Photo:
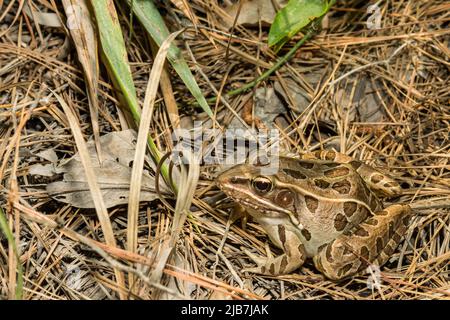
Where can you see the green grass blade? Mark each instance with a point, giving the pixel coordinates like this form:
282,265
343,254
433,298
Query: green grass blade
151,20
116,59
10,237
115,53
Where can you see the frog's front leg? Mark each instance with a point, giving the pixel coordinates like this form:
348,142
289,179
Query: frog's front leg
293,257
371,242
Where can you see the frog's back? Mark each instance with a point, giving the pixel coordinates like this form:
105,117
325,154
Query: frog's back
326,180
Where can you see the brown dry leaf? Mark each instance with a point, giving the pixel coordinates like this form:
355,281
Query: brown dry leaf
79,23
253,11
297,97
113,176
266,107
184,288
361,96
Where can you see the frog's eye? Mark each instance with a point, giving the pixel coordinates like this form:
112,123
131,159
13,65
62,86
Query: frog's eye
262,184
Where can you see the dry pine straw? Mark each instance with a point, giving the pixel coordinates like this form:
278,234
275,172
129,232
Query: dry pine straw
406,132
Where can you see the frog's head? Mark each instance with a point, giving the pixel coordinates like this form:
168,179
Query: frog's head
264,196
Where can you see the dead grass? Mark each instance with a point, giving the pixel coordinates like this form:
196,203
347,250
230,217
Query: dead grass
377,95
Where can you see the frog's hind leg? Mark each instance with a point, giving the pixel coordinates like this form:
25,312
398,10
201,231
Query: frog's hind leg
293,257
371,242
377,181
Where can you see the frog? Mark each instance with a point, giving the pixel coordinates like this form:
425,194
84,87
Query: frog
323,205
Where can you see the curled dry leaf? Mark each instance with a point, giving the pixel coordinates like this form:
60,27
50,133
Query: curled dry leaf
113,175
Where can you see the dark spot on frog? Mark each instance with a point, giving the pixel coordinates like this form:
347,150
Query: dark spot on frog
350,208
343,187
328,254
389,249
379,245
361,232
306,164
282,233
322,184
283,264
376,178
364,254
340,222
237,180
311,203
337,172
272,269
363,212
391,184
371,221
294,174
391,229
373,201
405,220
306,234
356,164
345,269
382,213
301,249
347,251
396,237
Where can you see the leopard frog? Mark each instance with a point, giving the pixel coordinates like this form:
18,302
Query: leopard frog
325,206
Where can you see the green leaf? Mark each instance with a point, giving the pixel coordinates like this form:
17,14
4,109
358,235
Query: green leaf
9,235
114,52
293,17
151,20
115,57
